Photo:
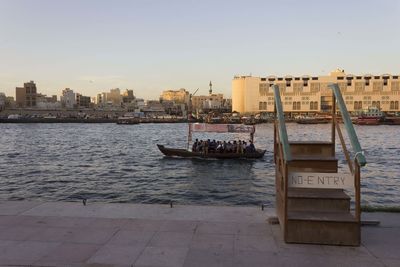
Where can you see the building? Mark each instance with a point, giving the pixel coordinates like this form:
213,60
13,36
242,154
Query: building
153,108
26,96
180,96
114,96
47,102
3,101
82,101
312,94
101,99
128,96
68,99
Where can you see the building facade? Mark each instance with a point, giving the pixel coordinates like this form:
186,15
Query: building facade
82,101
114,96
312,94
68,99
3,100
180,96
128,96
26,96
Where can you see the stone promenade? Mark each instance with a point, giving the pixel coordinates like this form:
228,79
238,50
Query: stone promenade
71,234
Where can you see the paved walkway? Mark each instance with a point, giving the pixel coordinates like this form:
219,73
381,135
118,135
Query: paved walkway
71,234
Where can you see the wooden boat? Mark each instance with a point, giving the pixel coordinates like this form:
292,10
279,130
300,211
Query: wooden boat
367,121
177,152
216,128
314,120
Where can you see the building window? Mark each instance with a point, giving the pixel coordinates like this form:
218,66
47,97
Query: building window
395,86
262,105
357,105
297,87
313,105
359,86
314,87
377,86
394,105
296,105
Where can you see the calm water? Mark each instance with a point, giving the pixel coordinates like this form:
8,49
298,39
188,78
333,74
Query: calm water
121,163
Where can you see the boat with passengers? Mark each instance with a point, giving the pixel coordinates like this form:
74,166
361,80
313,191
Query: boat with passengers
252,153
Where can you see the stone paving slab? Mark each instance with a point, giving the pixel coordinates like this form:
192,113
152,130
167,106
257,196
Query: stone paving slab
100,235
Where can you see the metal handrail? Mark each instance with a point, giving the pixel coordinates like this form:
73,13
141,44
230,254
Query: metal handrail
281,124
355,144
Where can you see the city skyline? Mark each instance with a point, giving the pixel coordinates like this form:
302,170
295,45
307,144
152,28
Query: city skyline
152,46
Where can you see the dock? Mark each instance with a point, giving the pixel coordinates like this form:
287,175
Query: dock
99,234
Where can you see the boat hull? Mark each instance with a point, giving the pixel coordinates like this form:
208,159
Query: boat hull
176,152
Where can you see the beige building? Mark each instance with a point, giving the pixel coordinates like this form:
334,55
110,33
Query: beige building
180,96
26,96
114,96
311,93
212,101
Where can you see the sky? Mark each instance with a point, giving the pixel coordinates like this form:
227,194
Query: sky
149,46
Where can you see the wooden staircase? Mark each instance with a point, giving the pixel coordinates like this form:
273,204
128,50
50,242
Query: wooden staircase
313,215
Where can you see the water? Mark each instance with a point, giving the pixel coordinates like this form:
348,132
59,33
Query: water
121,163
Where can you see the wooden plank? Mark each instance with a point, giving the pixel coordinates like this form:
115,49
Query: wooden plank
320,180
317,193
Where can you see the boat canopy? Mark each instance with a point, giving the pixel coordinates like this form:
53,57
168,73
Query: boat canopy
222,128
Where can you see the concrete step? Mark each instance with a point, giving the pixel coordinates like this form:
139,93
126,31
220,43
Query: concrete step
329,228
315,199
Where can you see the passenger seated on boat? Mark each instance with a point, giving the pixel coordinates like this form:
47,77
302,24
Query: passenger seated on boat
224,146
250,148
229,147
205,146
194,147
220,147
199,146
240,147
212,146
234,147
244,144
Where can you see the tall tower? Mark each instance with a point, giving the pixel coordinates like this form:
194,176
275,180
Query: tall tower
210,91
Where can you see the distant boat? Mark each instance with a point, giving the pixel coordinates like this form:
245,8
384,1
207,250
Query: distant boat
128,120
371,116
313,120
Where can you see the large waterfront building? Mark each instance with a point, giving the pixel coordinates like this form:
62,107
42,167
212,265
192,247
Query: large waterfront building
311,93
26,96
68,99
180,96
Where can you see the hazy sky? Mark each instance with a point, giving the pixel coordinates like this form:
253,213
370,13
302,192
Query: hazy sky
150,46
